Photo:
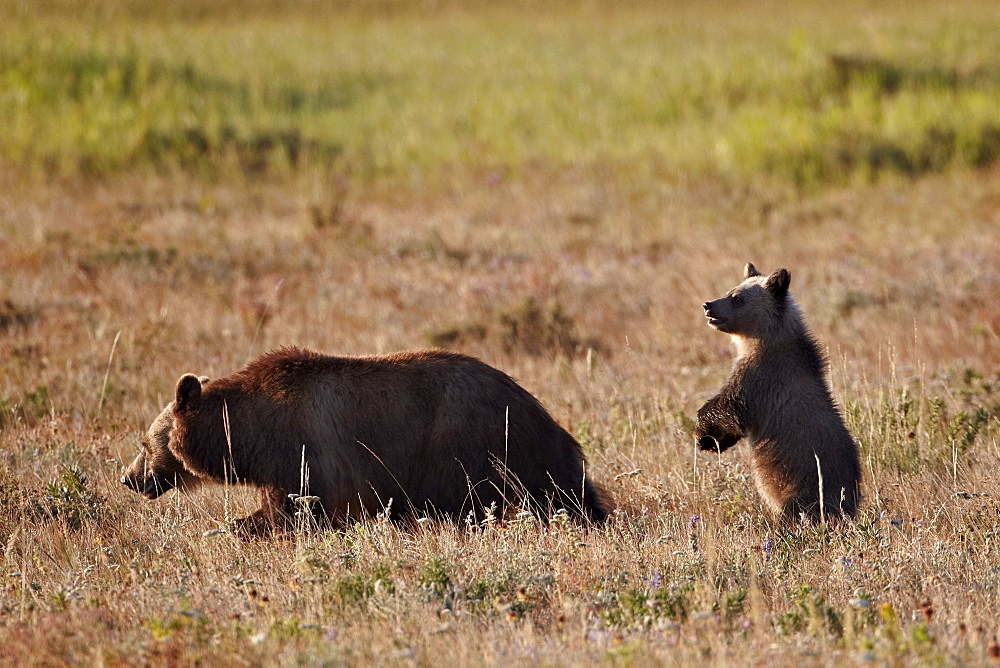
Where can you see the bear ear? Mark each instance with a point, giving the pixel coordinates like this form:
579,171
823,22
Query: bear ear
188,394
777,283
204,380
750,271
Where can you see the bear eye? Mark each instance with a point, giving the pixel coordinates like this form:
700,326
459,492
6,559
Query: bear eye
737,300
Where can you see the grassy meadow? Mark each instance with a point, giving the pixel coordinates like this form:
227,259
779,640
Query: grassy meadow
554,188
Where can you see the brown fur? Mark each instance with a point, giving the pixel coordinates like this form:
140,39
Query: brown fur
778,397
433,431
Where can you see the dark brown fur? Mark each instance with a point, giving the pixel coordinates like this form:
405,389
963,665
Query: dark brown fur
433,431
779,398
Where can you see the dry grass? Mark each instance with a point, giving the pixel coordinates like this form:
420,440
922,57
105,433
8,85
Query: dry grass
899,280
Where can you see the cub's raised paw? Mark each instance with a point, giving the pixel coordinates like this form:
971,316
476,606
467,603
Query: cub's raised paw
708,443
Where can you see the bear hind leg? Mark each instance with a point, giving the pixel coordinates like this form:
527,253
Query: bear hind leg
833,512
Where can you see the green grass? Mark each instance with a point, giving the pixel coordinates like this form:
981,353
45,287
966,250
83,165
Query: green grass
398,95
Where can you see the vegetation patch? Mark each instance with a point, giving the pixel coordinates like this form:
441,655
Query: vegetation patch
808,97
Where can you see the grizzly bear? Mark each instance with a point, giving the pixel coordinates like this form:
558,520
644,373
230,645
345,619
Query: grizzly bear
778,397
425,432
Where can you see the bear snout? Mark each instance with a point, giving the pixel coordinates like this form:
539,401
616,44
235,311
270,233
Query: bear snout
133,476
715,318
142,485
141,480
155,487
712,306
150,487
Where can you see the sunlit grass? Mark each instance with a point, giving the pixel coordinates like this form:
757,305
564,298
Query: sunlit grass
591,299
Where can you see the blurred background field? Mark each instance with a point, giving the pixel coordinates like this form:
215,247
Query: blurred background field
399,91
554,188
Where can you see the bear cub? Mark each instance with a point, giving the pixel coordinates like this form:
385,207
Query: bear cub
416,432
778,397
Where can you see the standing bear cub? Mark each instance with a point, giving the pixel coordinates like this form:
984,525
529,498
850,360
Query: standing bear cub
778,397
432,431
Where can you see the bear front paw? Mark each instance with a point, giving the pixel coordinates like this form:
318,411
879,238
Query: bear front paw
708,443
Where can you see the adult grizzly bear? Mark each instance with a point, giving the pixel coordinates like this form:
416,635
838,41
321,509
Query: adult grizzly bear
779,398
434,431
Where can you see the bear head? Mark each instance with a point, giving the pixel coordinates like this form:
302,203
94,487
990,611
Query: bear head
755,308
156,469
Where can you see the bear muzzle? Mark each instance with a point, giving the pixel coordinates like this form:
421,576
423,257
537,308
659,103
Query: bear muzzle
150,486
714,319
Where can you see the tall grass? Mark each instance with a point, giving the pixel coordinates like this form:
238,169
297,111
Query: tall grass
396,94
597,314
